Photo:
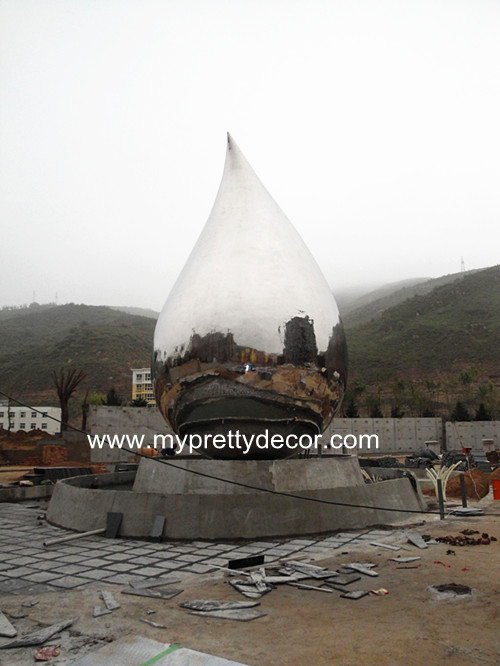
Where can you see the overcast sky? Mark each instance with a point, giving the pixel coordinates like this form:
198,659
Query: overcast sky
375,125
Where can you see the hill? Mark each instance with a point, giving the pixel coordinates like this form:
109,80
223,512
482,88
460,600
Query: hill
455,326
104,343
371,305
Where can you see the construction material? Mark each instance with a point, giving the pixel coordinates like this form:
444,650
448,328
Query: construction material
247,589
243,562
100,610
157,625
405,560
113,523
365,569
110,602
72,537
385,545
153,582
242,615
416,540
39,636
156,533
355,594
211,605
6,628
303,586
154,593
132,650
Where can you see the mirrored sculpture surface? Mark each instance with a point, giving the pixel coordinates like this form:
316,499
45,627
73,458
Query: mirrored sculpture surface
250,337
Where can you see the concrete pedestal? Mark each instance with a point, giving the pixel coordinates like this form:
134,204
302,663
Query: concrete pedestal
196,506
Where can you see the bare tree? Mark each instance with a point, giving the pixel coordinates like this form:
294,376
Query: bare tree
66,384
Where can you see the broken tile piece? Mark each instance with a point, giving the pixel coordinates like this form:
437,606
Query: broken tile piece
210,605
416,540
154,593
384,545
100,610
109,600
37,637
157,625
365,569
354,594
241,615
6,628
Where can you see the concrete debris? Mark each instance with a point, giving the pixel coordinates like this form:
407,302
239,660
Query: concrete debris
100,610
242,615
303,586
154,593
110,602
467,511
154,582
366,569
18,615
405,560
38,637
258,579
385,545
343,579
156,533
248,590
157,625
210,605
30,604
355,594
6,628
311,570
416,540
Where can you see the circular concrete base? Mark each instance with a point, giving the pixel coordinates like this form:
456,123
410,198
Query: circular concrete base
278,498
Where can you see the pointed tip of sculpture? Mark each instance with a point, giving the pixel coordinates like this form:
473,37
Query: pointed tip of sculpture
229,141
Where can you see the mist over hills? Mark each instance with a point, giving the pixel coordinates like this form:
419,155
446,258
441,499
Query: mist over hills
412,330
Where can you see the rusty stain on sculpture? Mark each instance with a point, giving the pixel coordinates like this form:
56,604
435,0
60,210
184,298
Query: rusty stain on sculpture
250,336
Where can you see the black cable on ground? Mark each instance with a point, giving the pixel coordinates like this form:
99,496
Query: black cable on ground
245,485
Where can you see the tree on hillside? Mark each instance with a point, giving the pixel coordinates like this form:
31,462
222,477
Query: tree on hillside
460,412
482,414
112,398
66,383
91,398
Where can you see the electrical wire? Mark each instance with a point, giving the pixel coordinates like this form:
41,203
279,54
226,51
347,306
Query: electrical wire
240,483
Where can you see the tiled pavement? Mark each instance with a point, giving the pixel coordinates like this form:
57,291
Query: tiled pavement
26,567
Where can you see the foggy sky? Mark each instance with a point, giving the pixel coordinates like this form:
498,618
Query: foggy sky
374,124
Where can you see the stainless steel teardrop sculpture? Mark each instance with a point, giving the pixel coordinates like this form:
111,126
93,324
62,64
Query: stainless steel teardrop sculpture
250,337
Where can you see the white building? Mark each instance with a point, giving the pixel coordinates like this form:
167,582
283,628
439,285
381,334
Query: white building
30,418
142,387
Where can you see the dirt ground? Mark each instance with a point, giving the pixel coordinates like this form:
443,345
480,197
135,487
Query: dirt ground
410,625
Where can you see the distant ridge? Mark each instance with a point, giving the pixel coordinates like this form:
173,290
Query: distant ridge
454,326
372,305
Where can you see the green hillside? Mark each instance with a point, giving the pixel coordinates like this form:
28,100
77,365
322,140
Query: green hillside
454,326
372,305
104,343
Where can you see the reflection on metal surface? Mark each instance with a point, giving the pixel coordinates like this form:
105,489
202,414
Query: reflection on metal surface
250,336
